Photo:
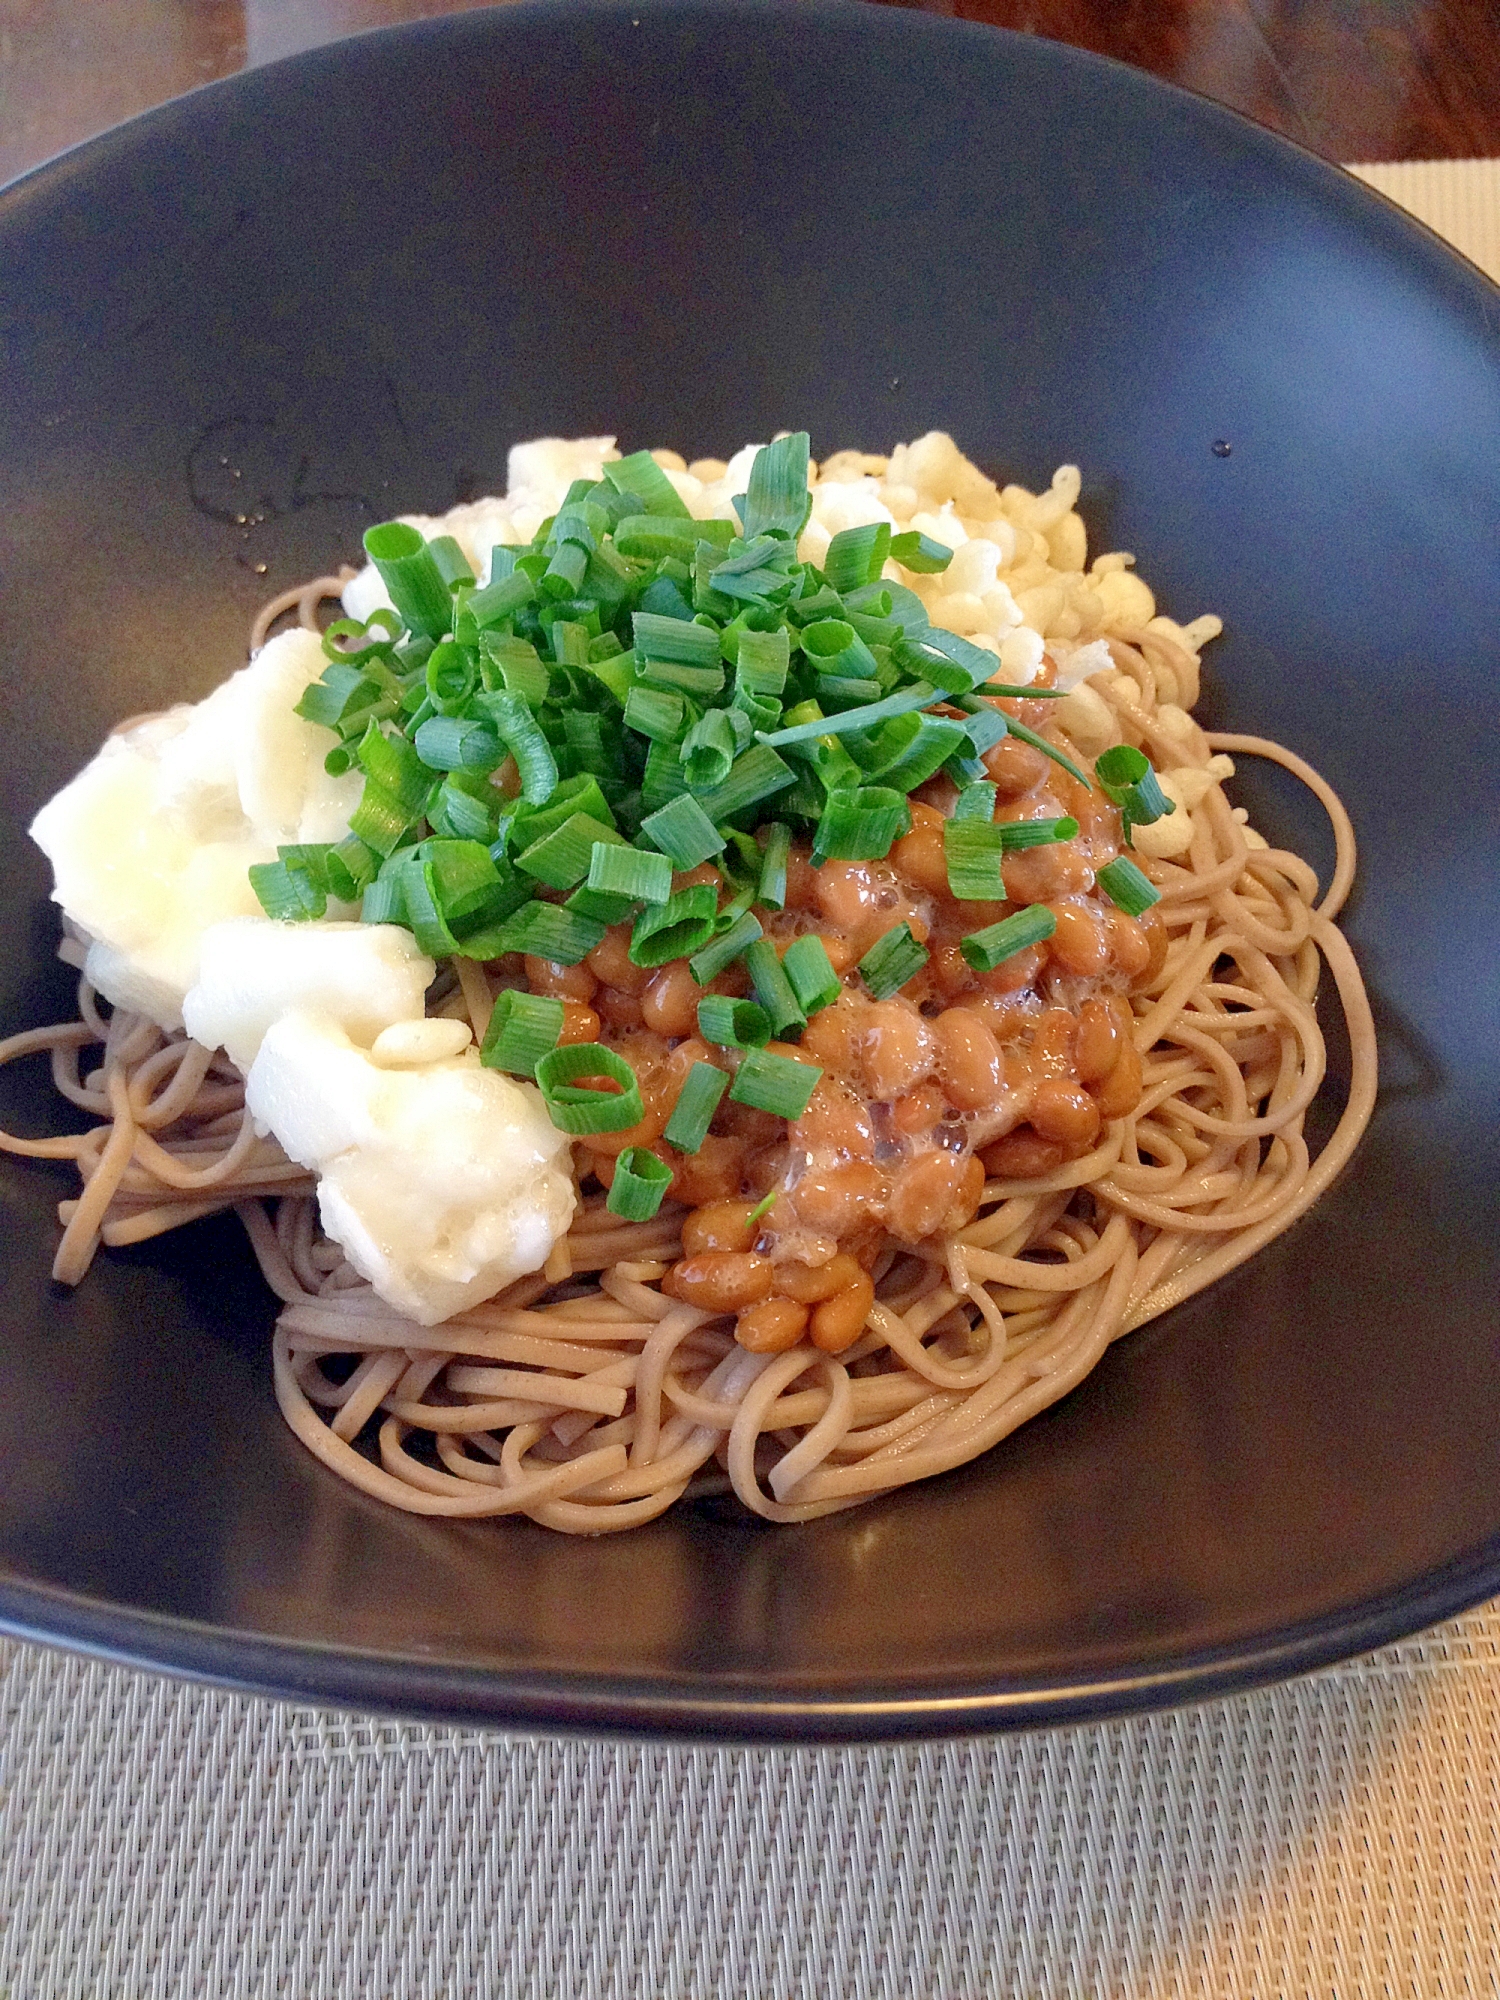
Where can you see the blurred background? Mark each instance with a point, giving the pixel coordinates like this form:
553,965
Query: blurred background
1352,79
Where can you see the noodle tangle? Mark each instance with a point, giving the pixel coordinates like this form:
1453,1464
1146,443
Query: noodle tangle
587,1399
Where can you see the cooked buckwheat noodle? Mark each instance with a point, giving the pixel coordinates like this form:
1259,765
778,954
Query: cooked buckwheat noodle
587,1399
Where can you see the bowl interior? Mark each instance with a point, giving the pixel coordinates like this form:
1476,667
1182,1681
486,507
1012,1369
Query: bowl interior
238,330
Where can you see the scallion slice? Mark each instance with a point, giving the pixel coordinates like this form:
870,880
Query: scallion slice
579,1111
696,1104
523,1027
860,825
756,775
1127,779
773,989
892,961
1126,887
1021,833
857,555
733,1024
920,553
640,1182
640,474
630,871
778,500
973,850
723,950
986,949
545,930
807,965
684,832
920,695
411,575
564,857
976,802
771,890
773,1083
676,928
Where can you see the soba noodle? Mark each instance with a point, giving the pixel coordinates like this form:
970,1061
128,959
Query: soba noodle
590,1400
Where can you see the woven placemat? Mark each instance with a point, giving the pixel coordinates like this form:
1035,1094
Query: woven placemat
1333,1837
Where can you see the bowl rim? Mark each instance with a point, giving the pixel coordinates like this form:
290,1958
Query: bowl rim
675,1706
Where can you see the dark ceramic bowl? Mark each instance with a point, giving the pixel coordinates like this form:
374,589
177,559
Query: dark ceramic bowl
239,329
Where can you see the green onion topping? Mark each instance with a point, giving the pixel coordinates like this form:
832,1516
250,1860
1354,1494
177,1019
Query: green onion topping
640,1181
578,1110
892,961
986,949
523,1028
773,1083
1127,887
697,1102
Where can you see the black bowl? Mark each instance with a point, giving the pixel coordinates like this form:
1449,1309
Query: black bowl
237,330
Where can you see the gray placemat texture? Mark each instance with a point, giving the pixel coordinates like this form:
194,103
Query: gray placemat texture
1332,1838
1336,1836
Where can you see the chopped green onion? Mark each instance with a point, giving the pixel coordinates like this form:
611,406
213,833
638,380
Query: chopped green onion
350,868
655,714
514,666
411,576
564,857
733,1024
640,1182
545,930
581,1112
921,695
708,750
630,871
807,965
452,743
640,474
1127,887
395,765
724,949
1127,779
986,949
762,1208
973,849
684,832
522,735
773,1083
523,1027
1021,833
910,749
671,640
673,678
860,825
920,553
773,989
771,890
696,1104
778,501
287,891
892,961
984,727
758,774
676,928
453,565
976,802
1004,690
857,555
580,794
502,597
763,660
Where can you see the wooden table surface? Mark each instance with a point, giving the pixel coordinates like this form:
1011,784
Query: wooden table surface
1353,79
